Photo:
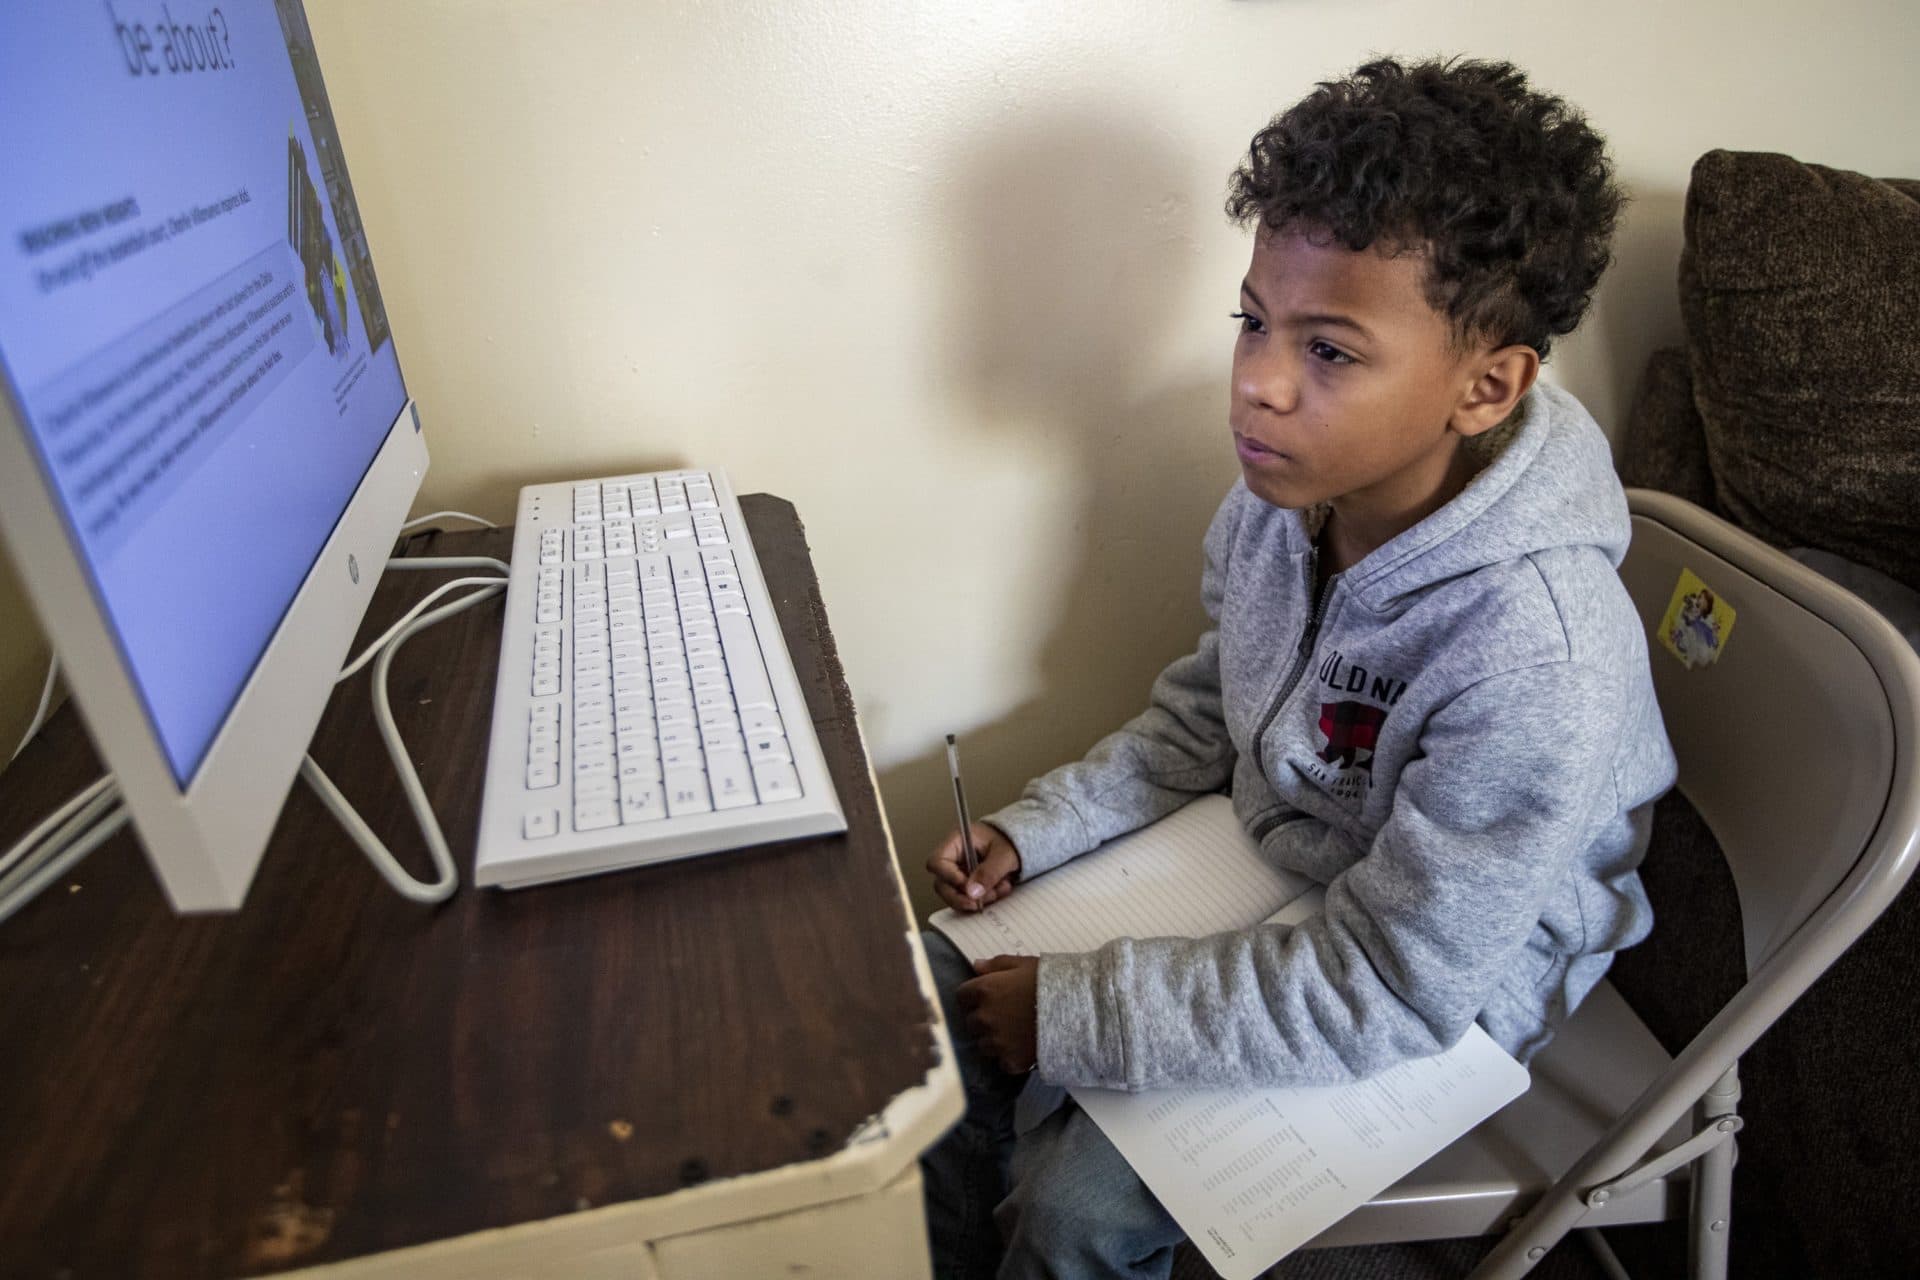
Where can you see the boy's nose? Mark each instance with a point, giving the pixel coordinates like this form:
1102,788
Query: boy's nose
1268,380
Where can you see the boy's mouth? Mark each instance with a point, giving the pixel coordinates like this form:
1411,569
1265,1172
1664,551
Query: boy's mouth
1251,450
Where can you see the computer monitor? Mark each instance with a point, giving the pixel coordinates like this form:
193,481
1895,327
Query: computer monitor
206,448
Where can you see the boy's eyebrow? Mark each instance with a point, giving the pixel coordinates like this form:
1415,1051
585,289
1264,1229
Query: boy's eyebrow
1312,317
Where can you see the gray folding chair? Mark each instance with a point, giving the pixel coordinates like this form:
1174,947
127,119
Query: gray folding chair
1800,748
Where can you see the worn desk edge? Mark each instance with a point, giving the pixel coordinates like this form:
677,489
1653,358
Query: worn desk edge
876,1154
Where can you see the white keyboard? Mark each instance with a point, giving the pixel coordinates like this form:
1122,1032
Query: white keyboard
646,707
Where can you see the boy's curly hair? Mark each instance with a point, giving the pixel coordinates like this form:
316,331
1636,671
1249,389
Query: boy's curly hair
1508,191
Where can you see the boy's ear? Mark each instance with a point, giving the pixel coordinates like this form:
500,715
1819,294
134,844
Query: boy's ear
1504,375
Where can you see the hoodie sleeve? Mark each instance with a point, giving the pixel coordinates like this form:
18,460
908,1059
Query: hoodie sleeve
1152,765
1513,780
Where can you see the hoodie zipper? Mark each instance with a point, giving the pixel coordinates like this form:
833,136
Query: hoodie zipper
1300,657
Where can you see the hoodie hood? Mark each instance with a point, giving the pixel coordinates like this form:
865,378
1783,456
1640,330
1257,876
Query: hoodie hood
1549,482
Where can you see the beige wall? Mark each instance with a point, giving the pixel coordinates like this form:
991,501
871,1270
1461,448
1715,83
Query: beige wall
954,278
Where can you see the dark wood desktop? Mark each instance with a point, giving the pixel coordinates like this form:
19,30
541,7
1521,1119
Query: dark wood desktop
333,1072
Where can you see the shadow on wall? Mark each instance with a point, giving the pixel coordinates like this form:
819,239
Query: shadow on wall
1076,254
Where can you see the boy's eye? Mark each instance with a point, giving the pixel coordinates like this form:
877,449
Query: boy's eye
1328,352
1248,324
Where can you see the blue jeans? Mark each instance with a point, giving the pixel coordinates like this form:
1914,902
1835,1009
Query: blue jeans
1058,1201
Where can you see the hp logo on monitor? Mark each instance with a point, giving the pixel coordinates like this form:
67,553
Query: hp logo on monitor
353,569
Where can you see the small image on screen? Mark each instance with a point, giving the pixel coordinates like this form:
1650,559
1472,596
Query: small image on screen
190,327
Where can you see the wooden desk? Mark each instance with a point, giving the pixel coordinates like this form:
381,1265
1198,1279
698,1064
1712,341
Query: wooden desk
711,1068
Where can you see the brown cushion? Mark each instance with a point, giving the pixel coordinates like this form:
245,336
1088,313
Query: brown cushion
1800,288
1664,446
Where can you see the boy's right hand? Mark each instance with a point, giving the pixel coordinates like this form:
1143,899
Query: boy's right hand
992,881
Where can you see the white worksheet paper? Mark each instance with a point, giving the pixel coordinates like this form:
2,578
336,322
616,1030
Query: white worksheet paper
1249,1174
1252,1174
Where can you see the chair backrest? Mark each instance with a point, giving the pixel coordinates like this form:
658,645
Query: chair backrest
1797,745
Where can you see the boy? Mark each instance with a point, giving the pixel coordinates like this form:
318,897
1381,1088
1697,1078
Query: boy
1425,686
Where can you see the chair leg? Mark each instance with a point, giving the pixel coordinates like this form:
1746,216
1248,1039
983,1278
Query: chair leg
1712,1211
1603,1253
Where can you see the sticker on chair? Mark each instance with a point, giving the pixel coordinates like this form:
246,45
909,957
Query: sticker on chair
1697,622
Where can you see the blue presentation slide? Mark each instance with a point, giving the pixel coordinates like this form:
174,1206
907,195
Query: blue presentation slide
189,324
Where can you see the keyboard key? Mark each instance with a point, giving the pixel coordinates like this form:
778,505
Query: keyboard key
642,801
732,783
719,716
723,742
776,781
687,792
750,687
540,823
761,720
640,769
765,748
688,569
593,815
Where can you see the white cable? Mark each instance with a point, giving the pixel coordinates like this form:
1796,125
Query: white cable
435,515
29,855
95,812
54,819
371,651
40,712
448,879
98,816
447,562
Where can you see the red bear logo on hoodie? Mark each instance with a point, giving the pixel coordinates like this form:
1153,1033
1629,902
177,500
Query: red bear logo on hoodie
1350,728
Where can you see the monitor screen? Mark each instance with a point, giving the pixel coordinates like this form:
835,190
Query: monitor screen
189,325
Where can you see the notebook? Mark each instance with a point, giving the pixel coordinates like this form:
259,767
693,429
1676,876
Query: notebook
1249,1174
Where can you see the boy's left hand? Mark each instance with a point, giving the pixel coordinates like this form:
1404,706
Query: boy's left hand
1002,1010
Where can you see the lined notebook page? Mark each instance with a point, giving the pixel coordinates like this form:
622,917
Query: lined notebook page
1192,873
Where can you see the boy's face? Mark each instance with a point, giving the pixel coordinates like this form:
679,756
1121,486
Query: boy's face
1346,387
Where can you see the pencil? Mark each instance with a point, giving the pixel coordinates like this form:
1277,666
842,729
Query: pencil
960,807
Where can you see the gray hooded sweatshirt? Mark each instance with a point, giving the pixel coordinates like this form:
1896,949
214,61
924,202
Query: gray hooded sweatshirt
1456,736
